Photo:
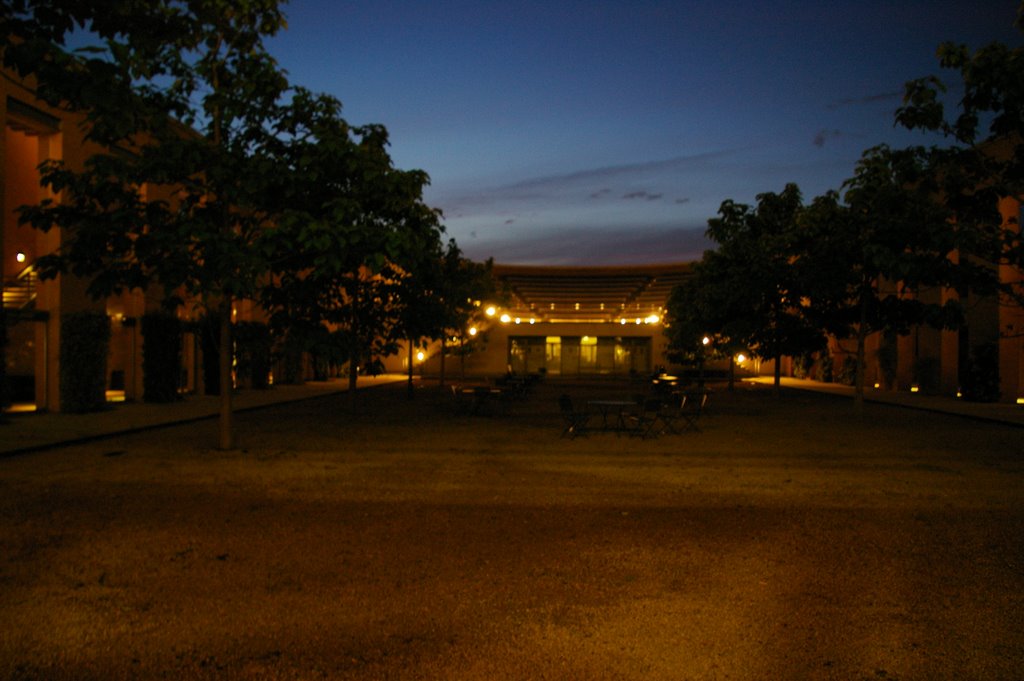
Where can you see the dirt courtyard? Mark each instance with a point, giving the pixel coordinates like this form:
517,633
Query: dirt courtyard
789,539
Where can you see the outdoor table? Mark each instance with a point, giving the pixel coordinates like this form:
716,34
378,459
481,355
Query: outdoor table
665,382
480,395
606,407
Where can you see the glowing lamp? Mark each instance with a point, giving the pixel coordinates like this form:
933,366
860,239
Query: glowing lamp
20,257
705,340
472,331
420,356
505,319
490,311
915,389
741,358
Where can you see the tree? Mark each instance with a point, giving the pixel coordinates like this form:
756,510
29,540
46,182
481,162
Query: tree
894,235
355,238
465,285
749,288
186,87
420,308
985,158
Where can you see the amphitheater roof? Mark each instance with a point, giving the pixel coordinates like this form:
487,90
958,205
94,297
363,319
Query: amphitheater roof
589,294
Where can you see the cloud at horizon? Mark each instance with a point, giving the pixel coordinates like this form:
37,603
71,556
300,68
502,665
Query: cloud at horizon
597,246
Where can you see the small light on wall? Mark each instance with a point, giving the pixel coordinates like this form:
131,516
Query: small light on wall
532,320
705,340
915,389
505,319
1020,400
877,386
491,311
20,257
472,331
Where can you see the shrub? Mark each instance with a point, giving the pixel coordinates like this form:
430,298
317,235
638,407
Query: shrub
888,356
84,344
209,343
802,365
926,374
253,350
290,353
823,369
847,374
983,374
161,357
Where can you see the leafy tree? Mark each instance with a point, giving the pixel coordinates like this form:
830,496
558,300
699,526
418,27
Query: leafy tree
465,285
985,158
695,328
869,255
419,308
187,87
749,287
355,239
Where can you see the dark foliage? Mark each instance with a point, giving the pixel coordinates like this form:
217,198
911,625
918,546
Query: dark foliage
161,357
84,343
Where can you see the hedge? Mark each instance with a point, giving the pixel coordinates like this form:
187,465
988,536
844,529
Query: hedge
161,357
84,345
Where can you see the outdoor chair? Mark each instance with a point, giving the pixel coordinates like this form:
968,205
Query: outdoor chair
691,405
674,417
460,403
641,424
574,422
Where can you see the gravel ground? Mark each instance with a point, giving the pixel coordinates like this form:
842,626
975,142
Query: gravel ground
790,539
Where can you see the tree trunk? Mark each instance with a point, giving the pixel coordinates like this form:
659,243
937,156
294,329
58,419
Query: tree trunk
409,388
353,379
227,416
862,333
443,347
3,357
778,374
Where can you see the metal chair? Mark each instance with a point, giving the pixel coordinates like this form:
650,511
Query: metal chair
574,422
641,424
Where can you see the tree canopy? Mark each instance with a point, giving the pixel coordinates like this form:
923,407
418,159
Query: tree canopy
985,157
217,178
747,290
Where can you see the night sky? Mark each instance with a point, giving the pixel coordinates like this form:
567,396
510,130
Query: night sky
589,133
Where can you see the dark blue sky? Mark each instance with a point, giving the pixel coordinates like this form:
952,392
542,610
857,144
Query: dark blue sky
609,132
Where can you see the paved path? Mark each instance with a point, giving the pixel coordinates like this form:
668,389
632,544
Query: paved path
999,412
35,431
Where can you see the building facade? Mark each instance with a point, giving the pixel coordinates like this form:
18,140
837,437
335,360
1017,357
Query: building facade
566,321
